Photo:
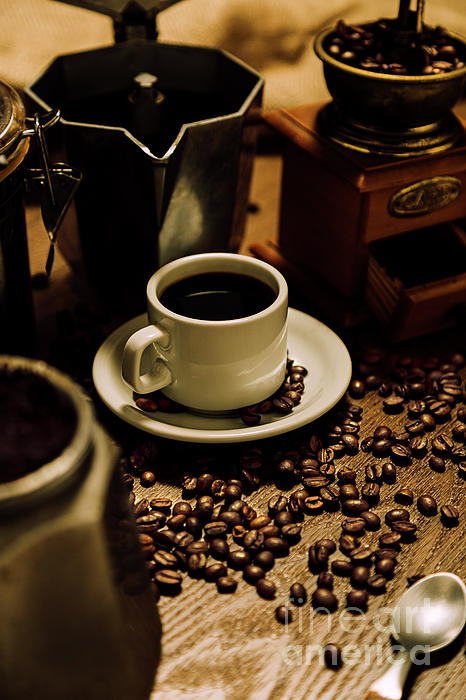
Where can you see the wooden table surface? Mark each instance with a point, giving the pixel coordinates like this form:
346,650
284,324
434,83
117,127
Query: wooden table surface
229,647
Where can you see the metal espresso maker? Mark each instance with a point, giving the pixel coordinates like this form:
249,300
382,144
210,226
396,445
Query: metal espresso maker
164,135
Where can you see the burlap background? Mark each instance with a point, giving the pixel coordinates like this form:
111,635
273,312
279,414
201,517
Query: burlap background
273,36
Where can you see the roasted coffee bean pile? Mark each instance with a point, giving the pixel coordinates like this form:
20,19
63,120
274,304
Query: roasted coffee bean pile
282,402
372,47
214,532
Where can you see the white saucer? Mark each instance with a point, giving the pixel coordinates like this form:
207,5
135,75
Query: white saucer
310,343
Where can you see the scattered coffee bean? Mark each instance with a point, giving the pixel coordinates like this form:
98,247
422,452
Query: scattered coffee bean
238,559
277,504
389,540
405,528
385,554
252,573
341,567
371,519
283,614
329,545
393,404
370,492
353,526
404,496
332,656
348,543
325,580
147,478
226,584
324,599
389,472
357,601
374,472
449,515
376,583
357,389
427,505
264,559
215,571
348,491
266,588
385,567
360,554
359,576
396,514
168,579
354,506
298,594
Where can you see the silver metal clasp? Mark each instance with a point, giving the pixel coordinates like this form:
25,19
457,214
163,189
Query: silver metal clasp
57,183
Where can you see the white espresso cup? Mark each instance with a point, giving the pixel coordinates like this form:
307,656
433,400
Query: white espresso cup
216,363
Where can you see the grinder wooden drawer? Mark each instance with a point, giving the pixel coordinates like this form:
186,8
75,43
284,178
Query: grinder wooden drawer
432,295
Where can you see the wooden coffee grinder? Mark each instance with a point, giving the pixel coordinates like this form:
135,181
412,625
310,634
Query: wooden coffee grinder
374,182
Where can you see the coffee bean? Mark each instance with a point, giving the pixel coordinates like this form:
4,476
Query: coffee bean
259,522
355,506
177,522
266,588
325,580
389,472
329,496
238,559
440,409
253,540
449,515
405,528
286,467
332,656
283,404
215,529
298,594
323,598
416,407
327,470
274,531
283,518
313,505
357,600
265,560
183,539
404,496
165,560
381,447
165,538
348,543
341,567
314,483
373,382
162,505
346,476
278,546
389,540
359,576
141,508
196,564
168,579
283,614
361,554
200,547
428,421
226,584
329,545
418,444
357,388
371,519
385,567
400,453
374,472
218,548
182,508
396,514
215,571
370,492
393,404
277,504
415,427
458,454
291,533
348,491
385,554
350,442
366,444
353,526
376,583
385,389
427,505
253,573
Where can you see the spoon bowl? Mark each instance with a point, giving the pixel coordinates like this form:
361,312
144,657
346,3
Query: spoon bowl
428,616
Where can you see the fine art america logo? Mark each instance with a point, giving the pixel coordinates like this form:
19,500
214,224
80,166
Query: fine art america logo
352,626
425,196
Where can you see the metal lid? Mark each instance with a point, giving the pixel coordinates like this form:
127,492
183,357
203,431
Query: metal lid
118,8
12,118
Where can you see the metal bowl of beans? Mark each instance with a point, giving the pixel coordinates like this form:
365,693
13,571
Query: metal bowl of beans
377,102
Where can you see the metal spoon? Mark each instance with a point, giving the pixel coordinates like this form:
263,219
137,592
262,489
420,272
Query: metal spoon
430,615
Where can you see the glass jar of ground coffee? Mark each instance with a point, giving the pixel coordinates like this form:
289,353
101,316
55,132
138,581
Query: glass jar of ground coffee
77,611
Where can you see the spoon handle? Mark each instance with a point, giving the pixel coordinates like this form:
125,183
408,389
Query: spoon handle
389,686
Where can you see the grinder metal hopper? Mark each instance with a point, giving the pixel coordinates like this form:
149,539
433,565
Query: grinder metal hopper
164,135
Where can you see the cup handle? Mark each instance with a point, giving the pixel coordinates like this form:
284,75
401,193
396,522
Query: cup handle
159,375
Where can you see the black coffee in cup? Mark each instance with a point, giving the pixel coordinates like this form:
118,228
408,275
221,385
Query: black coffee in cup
218,296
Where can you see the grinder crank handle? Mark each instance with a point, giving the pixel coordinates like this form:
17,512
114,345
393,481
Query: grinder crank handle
159,375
